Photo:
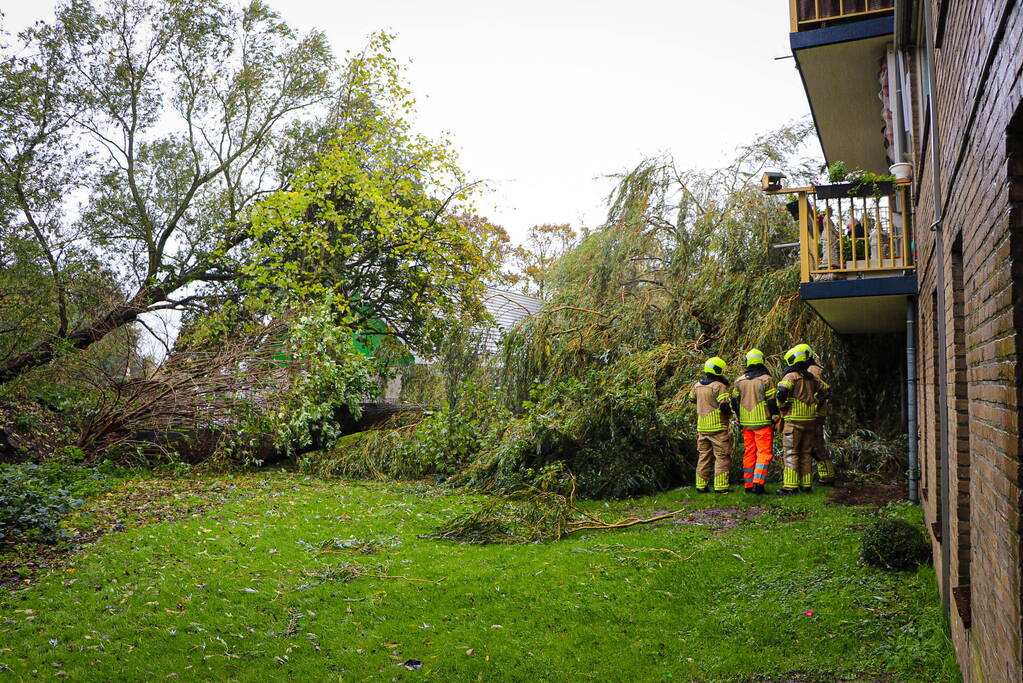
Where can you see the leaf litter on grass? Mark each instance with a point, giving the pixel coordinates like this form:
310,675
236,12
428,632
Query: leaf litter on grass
134,503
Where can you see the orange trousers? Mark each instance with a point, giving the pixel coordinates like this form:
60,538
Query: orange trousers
757,453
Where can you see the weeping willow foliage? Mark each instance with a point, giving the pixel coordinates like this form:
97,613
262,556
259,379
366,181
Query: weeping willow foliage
684,268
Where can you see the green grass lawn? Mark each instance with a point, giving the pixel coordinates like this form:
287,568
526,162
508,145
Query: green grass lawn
244,591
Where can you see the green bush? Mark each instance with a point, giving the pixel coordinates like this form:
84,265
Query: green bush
33,500
893,544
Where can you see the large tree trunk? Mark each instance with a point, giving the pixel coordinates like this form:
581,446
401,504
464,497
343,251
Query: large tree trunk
82,338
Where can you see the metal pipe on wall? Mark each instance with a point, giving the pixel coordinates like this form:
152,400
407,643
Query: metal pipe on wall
911,428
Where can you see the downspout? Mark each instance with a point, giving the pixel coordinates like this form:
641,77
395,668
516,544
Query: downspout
942,369
911,428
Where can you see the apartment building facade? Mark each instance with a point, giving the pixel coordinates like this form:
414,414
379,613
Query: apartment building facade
937,84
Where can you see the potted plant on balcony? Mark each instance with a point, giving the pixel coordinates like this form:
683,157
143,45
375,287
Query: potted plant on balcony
844,183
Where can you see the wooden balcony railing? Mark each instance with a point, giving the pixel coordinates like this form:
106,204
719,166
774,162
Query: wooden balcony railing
811,14
846,233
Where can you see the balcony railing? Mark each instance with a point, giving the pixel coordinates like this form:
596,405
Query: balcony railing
811,14
847,232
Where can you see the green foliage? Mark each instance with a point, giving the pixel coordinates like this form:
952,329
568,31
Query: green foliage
869,453
686,259
530,518
382,453
171,119
319,208
452,437
619,430
837,172
365,231
438,443
891,543
865,181
35,498
860,180
326,373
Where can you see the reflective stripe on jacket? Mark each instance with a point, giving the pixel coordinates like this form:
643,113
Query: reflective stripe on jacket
752,396
802,396
709,398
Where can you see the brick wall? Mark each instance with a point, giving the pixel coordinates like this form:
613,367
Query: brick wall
978,92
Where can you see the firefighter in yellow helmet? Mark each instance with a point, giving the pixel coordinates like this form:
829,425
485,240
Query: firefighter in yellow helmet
825,468
713,439
753,400
799,395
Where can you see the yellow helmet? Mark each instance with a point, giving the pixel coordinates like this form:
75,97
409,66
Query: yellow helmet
715,366
754,357
795,355
805,348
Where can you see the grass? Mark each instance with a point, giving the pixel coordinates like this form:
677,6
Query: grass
311,579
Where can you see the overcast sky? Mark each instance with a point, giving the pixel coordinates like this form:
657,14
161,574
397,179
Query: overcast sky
546,98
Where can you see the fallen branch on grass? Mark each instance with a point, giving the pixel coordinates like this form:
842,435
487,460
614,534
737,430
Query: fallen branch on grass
533,516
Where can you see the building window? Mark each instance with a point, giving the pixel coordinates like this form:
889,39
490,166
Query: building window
960,416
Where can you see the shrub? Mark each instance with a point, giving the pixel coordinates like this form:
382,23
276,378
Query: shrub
893,544
33,500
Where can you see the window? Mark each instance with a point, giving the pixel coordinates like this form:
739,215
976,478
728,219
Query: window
934,456
960,416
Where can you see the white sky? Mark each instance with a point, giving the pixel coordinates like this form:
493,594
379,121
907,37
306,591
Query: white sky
544,98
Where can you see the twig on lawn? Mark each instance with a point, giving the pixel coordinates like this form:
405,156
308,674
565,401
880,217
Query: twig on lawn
406,578
621,524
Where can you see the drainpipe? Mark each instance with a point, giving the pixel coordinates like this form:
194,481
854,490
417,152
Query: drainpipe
911,429
942,369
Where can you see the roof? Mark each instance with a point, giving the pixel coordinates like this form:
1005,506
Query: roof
508,309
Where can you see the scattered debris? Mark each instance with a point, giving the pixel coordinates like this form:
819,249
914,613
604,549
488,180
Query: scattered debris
352,545
294,616
539,516
719,518
351,571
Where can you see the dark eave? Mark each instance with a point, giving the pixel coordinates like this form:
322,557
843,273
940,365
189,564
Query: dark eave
862,305
839,68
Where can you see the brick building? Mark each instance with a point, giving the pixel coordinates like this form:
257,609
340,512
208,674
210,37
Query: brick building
937,84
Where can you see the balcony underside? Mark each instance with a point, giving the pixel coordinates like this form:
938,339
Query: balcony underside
839,66
861,306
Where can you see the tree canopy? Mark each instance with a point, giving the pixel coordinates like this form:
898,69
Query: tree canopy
195,154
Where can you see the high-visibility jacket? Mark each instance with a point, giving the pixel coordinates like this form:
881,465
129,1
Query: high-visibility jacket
712,399
800,394
753,397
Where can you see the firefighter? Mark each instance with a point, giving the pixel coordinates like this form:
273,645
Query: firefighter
825,468
799,394
713,440
753,400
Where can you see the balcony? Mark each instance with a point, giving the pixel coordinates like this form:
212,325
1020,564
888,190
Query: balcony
845,233
813,14
856,254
